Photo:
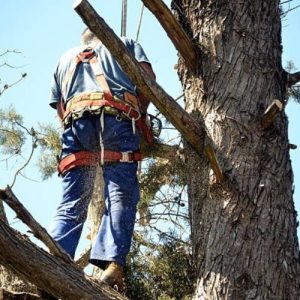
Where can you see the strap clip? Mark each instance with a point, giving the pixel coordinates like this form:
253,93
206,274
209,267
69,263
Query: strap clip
127,157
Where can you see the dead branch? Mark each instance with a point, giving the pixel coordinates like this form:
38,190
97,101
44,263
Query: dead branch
174,30
8,295
293,78
83,260
39,232
49,273
191,130
2,213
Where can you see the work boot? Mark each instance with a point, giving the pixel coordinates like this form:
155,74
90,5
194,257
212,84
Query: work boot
113,276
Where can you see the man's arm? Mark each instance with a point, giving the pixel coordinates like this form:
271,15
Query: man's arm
145,102
60,112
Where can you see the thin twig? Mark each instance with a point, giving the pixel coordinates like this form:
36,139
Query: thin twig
26,163
10,51
7,86
289,10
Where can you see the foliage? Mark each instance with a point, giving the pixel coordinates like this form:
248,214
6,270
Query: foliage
159,271
12,137
160,172
294,91
50,147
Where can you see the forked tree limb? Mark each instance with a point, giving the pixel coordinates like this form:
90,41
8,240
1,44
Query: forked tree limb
49,273
191,130
38,231
174,30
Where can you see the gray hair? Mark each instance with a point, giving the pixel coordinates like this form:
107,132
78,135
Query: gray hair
87,37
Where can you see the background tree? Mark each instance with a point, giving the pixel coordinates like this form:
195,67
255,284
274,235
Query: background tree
243,231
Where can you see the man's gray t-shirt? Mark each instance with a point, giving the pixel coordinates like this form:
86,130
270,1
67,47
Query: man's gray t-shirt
84,80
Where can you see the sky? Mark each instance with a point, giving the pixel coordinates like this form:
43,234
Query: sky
43,30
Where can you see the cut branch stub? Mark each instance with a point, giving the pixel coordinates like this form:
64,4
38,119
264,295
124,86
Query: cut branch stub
293,78
191,131
270,114
174,30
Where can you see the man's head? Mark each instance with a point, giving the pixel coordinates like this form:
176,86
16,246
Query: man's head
88,37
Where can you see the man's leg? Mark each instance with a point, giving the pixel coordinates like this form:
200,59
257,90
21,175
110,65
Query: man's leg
67,224
121,197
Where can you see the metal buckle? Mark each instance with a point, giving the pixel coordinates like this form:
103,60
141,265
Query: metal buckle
125,157
129,111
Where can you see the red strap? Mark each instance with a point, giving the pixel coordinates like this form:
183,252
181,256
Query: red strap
88,158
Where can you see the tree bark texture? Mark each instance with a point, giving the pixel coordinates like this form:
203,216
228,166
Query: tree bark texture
49,273
243,231
8,280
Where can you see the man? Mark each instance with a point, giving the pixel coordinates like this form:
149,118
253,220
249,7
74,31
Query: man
101,114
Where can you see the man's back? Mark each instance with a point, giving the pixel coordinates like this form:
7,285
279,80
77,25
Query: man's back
83,79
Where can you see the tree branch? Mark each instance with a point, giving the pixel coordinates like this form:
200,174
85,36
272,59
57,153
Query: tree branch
8,295
293,78
83,260
191,130
160,150
39,232
49,273
174,30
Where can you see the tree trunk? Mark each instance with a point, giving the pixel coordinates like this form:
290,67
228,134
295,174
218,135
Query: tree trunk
8,280
243,231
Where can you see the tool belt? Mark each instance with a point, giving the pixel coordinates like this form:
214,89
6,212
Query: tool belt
92,103
91,158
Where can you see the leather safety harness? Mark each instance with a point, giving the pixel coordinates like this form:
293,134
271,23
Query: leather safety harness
95,104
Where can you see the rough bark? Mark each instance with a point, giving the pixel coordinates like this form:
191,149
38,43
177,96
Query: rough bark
9,282
243,231
49,273
8,295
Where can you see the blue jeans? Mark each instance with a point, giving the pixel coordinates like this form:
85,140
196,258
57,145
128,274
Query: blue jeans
121,190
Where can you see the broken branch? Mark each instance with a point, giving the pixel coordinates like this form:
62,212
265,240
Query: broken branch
174,30
191,130
293,78
49,273
270,114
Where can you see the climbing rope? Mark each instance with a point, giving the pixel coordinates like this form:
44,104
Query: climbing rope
140,23
124,18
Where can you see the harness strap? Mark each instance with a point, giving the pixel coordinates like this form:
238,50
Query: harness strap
88,158
80,102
